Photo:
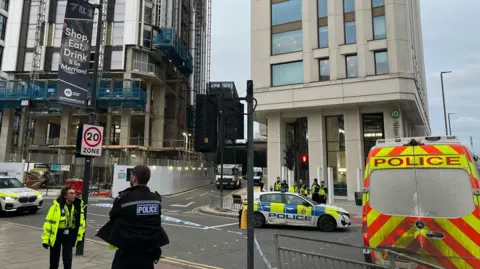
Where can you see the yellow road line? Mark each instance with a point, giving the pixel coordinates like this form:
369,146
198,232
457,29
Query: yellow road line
167,259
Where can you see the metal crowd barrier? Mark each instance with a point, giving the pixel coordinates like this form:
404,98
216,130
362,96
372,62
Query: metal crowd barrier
230,203
294,258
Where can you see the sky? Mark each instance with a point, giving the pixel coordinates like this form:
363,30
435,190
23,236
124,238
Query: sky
451,43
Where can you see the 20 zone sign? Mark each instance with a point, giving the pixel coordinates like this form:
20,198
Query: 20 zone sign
92,138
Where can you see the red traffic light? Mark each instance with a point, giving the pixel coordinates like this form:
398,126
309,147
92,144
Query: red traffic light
304,158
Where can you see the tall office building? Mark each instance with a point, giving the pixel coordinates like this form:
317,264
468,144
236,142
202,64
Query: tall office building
3,27
154,57
342,74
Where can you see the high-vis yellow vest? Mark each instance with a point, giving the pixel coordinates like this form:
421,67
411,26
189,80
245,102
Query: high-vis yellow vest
56,219
293,189
322,191
277,186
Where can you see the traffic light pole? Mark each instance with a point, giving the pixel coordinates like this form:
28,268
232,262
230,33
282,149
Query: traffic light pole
250,163
221,142
92,118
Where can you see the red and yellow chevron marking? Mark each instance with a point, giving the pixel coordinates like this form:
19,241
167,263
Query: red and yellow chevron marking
460,248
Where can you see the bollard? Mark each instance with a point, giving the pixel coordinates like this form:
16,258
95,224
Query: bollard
243,219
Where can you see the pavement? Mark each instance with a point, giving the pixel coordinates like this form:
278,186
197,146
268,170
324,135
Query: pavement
20,248
199,240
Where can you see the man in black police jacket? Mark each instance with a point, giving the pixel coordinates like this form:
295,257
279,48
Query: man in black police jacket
134,228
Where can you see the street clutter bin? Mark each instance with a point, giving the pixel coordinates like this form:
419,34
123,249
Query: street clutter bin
77,184
358,198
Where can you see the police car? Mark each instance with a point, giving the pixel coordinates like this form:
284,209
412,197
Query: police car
287,208
14,196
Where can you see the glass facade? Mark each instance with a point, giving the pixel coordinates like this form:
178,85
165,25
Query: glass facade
287,42
324,70
352,66
379,27
381,62
348,6
322,8
350,32
3,27
287,73
285,12
323,37
378,3
373,129
335,136
4,4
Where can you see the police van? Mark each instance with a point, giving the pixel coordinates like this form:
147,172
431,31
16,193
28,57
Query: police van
286,208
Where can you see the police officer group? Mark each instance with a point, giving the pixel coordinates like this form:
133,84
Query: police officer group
319,192
134,229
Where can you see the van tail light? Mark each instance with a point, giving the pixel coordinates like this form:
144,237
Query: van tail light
365,230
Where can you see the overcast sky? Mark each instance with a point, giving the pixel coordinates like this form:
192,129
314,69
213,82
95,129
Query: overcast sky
451,43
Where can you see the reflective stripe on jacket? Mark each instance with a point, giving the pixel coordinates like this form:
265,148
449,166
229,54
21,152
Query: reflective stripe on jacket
293,189
55,217
323,192
277,186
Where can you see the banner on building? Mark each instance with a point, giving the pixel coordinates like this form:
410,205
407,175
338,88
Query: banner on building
72,83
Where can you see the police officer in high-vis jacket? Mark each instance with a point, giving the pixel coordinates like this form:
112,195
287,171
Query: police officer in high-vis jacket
64,227
134,228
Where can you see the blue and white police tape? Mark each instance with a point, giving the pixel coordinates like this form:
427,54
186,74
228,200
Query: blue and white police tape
257,245
183,222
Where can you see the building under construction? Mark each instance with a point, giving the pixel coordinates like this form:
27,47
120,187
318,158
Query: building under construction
154,58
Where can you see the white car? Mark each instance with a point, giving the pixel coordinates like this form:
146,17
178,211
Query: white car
14,196
287,208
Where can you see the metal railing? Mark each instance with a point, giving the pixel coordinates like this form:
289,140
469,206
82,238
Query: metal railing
294,258
229,203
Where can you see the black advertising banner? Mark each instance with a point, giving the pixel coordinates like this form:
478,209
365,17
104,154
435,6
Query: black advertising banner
72,84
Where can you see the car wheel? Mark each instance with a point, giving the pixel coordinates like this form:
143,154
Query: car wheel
327,223
258,220
33,211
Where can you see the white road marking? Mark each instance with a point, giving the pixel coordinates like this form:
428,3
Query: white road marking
187,205
223,225
182,193
189,198
204,193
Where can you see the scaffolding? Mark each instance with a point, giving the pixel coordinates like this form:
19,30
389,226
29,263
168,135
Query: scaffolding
198,47
209,40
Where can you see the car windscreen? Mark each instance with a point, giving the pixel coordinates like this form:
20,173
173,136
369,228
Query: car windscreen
10,183
424,192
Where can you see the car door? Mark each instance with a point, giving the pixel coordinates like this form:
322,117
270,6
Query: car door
448,210
273,207
298,211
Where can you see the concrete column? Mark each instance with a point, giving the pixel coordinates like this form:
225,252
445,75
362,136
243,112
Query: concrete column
397,37
316,146
310,40
363,19
6,134
41,134
21,131
158,115
108,128
65,125
125,126
353,148
146,132
275,146
336,37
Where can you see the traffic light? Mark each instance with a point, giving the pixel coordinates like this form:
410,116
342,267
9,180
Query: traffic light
289,158
304,160
205,123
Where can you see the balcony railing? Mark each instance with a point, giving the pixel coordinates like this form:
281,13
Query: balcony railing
170,44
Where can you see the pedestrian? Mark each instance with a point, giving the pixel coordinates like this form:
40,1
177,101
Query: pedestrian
134,229
64,227
262,181
323,192
284,185
278,185
315,191
293,188
303,189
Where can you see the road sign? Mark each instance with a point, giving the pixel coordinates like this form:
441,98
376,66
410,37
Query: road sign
92,138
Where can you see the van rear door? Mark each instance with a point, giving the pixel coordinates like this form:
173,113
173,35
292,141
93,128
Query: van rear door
448,224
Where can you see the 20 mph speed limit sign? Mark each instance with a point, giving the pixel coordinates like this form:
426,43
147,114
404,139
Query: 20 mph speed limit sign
92,140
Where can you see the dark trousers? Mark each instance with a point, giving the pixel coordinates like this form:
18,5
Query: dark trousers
323,199
316,197
132,260
63,243
261,186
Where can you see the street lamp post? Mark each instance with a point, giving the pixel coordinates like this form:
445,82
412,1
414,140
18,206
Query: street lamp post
449,123
443,98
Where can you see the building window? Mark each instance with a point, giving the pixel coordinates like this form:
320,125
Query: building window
1,56
378,3
323,37
381,62
287,73
118,28
59,18
3,27
373,129
335,134
352,66
28,61
285,12
148,14
348,6
4,4
117,58
57,35
322,8
350,32
379,28
378,19
286,42
324,69
147,36
55,61
119,14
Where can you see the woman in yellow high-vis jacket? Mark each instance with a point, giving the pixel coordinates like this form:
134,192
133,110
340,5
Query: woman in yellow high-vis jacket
64,227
